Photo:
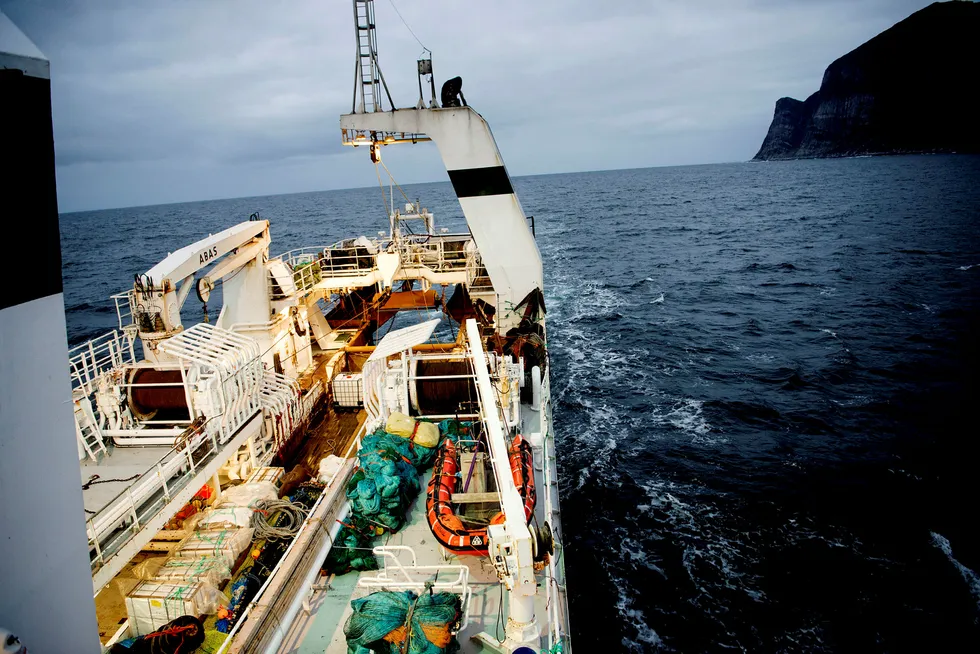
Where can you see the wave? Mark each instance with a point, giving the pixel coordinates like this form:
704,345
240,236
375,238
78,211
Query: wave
785,266
646,637
85,306
969,576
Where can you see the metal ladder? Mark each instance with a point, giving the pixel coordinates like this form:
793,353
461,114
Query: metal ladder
87,430
368,74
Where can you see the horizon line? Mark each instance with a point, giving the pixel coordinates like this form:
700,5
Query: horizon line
355,188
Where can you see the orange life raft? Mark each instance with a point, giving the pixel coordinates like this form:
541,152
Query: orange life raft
443,521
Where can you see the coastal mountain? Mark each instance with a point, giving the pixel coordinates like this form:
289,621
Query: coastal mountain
909,89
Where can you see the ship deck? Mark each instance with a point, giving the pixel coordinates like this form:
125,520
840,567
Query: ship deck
321,630
113,473
331,434
105,482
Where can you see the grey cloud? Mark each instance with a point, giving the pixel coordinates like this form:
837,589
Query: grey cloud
150,97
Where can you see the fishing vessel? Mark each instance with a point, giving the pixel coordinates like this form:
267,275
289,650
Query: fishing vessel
289,472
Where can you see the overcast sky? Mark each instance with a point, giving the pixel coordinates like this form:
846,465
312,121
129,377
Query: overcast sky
173,100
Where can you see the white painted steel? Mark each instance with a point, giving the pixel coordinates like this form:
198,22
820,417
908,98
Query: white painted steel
88,361
315,518
189,259
246,294
223,374
536,388
283,626
397,574
114,564
279,397
521,623
43,553
497,222
403,339
19,52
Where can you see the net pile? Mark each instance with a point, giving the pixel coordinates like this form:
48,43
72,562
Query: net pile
352,548
402,622
387,478
380,491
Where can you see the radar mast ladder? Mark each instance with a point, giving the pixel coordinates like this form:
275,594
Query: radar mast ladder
367,75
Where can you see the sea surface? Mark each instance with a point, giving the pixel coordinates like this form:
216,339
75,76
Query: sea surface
765,388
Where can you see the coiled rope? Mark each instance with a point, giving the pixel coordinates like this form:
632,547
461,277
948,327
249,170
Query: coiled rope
288,516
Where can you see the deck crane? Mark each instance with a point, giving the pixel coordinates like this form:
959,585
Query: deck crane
156,298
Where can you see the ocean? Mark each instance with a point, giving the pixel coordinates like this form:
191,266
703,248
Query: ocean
763,375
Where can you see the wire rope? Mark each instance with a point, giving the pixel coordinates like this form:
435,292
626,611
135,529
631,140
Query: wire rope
289,518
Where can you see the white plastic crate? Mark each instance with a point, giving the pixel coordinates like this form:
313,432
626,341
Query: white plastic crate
152,604
348,390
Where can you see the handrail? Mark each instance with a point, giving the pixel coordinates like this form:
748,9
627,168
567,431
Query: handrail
308,266
89,360
165,475
458,584
124,310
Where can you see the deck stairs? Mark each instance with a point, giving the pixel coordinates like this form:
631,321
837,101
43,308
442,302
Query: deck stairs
87,430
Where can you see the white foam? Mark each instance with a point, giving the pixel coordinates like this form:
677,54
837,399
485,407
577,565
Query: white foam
707,538
829,331
968,267
687,414
969,576
646,637
857,400
600,459
659,300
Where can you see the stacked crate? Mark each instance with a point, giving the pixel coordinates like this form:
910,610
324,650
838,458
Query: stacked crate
154,603
227,543
213,570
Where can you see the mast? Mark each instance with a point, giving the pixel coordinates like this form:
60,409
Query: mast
368,79
469,152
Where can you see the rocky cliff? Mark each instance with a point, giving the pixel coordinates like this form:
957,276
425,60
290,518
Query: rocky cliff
909,89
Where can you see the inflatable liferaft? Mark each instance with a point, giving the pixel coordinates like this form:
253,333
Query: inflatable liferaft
445,524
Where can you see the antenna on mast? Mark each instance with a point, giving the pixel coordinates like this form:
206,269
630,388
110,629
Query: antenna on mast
425,69
368,79
369,82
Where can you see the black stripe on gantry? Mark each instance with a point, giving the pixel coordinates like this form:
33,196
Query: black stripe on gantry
471,182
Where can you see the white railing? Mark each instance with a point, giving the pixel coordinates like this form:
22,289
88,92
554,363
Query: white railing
397,574
309,400
110,528
88,361
223,375
431,251
125,307
477,277
439,253
280,399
